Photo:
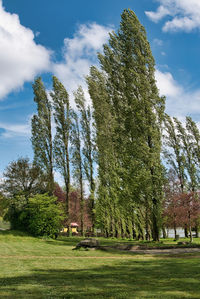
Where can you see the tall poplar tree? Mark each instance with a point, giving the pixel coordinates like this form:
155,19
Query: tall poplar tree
175,158
187,145
61,107
42,132
107,207
88,145
77,162
195,138
137,112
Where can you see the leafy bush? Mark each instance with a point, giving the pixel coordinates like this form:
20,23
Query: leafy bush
43,214
15,206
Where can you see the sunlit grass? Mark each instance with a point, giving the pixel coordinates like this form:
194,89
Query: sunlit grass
4,224
45,268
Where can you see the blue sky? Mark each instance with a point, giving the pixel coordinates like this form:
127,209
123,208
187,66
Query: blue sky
62,37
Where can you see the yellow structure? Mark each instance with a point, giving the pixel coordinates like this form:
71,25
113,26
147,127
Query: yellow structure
74,230
74,227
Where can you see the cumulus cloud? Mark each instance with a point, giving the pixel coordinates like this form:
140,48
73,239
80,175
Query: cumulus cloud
185,14
14,130
167,85
20,57
157,42
79,53
180,101
161,12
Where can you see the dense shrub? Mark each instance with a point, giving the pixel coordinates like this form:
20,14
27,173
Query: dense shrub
15,206
43,215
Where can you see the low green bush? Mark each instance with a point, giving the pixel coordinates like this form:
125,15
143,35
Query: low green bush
43,215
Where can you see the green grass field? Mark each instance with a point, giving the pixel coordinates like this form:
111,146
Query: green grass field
3,224
45,268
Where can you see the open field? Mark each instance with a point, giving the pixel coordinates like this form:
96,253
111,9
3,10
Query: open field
45,268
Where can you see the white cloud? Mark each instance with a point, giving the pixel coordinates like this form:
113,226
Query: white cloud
158,42
185,14
14,130
79,53
180,101
167,85
21,59
161,12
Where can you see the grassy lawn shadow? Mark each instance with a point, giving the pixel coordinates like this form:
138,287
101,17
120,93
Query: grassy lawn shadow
124,279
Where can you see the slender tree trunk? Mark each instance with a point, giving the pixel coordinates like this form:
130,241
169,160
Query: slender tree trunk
186,231
147,224
51,159
51,182
92,188
197,230
155,228
190,227
164,232
81,201
67,180
50,166
174,231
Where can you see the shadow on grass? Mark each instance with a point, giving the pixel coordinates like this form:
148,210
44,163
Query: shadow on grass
67,241
124,279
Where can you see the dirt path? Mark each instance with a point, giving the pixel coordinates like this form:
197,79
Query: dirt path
167,251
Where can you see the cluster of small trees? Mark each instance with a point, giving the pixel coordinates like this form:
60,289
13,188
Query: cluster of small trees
121,136
182,210
26,204
24,201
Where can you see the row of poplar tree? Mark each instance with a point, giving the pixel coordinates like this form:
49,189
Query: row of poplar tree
71,147
120,136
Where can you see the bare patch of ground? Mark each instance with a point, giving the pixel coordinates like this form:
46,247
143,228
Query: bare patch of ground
168,251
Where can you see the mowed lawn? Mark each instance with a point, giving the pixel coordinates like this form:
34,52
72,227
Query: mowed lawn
44,268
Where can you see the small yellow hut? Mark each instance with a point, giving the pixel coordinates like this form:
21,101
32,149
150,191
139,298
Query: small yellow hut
73,226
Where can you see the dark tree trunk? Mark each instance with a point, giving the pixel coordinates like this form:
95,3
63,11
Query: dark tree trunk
186,231
155,220
164,232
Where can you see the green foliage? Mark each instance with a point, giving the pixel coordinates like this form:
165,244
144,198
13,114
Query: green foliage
76,151
3,205
175,159
128,113
88,151
43,215
16,206
42,132
22,178
62,118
